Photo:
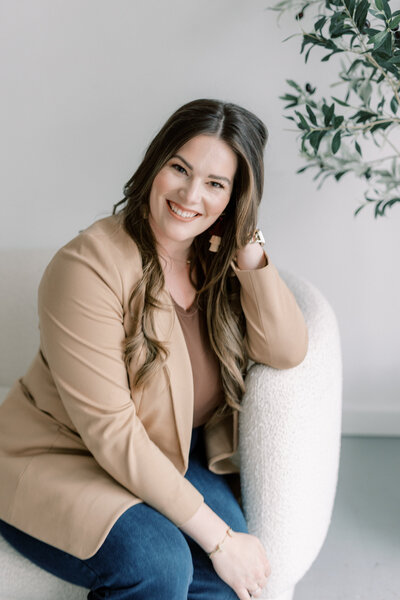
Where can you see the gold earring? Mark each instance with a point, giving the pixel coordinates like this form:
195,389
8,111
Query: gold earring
215,241
216,232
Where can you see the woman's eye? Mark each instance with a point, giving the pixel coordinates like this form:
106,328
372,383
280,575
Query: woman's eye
217,185
179,168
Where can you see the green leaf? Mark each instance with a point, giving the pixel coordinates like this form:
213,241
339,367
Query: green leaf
337,121
386,9
337,24
361,13
380,16
394,104
319,24
311,115
379,38
391,68
378,211
288,97
328,112
389,204
363,116
340,101
303,123
364,92
379,4
358,209
381,103
308,52
304,168
350,6
340,174
381,126
394,22
336,142
386,47
354,64
290,36
315,139
327,56
294,84
358,148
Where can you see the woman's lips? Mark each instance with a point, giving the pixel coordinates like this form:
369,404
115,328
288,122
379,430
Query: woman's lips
173,207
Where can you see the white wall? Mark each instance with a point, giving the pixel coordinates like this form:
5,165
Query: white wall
86,84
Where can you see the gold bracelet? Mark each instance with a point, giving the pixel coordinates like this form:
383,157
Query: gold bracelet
218,547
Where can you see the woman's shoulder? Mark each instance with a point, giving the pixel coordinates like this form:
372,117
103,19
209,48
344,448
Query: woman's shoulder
106,238
104,248
109,232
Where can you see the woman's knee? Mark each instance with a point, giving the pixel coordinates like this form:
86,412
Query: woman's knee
145,545
173,562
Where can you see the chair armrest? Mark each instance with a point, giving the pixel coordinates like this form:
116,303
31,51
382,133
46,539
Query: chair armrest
289,446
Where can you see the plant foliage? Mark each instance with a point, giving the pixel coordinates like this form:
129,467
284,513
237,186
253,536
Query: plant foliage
367,36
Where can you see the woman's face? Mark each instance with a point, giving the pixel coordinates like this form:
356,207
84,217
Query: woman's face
192,189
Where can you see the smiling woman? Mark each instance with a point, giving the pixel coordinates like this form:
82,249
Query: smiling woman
184,191
128,414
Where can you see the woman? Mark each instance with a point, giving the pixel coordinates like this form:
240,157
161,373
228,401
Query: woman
119,444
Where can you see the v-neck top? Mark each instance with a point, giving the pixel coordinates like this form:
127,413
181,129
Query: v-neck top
207,383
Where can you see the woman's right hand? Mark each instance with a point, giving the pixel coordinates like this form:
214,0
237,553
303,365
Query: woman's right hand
242,563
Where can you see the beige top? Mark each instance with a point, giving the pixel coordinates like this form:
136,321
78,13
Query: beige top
207,384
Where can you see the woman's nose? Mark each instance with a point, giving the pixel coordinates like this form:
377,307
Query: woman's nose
191,191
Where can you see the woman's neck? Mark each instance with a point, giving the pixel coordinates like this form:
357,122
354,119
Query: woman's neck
175,256
172,251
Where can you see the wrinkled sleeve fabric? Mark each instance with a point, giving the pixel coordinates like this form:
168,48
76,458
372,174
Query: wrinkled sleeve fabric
276,332
82,335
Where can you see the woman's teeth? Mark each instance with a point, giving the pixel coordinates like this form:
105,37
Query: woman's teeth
181,213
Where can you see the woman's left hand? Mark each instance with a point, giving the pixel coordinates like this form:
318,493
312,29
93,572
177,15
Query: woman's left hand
250,257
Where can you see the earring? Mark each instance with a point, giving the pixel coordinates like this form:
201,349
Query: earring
216,232
215,241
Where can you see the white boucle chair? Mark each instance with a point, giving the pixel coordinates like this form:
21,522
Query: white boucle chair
289,436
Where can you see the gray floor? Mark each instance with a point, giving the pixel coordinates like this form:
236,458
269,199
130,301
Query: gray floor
360,559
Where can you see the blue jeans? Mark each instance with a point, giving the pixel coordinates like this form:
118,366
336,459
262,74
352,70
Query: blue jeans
145,556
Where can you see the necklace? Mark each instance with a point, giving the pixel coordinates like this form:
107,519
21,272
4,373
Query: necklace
175,261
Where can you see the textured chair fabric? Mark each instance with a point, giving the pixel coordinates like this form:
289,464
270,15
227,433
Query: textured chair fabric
289,436
290,432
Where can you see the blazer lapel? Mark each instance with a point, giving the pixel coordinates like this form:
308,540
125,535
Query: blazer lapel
178,370
222,439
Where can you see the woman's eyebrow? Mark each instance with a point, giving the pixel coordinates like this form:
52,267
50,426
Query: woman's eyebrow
189,166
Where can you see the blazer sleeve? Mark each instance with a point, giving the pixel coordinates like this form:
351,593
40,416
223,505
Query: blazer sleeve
276,332
82,333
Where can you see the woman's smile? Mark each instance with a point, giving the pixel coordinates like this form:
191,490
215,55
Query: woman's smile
180,213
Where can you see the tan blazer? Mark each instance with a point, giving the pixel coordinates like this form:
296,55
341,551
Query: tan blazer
78,443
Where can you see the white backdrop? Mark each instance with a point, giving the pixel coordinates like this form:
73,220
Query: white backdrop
85,86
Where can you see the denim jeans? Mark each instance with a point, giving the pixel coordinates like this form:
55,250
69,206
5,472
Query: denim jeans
145,556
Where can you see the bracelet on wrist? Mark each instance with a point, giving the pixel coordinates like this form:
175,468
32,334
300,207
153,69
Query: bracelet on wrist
218,547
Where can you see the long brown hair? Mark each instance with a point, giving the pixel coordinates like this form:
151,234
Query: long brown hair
218,289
